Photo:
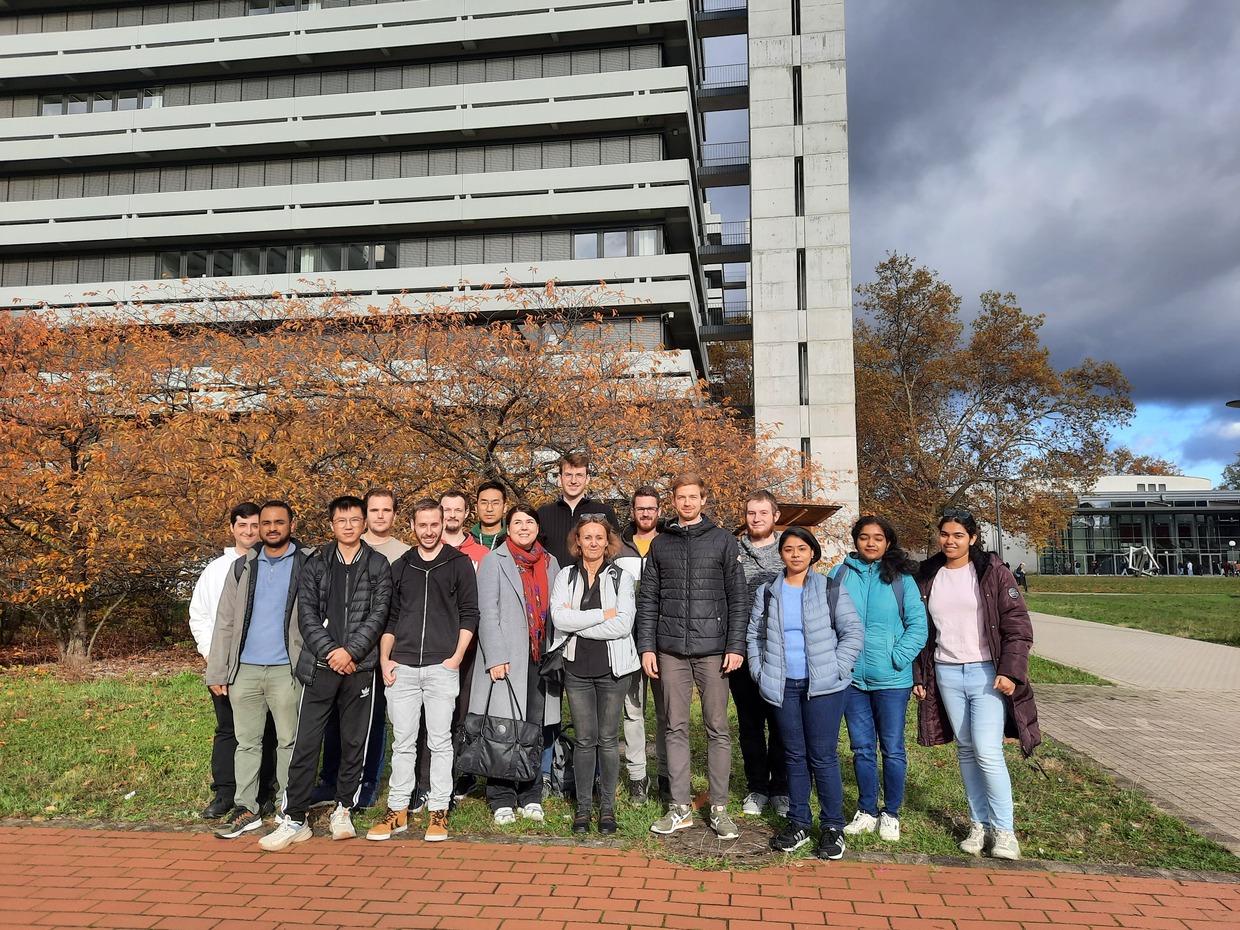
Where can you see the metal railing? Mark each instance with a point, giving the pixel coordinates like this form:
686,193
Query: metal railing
720,76
719,6
732,313
725,154
717,234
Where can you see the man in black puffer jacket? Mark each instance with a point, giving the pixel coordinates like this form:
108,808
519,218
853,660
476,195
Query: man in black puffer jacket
345,591
692,613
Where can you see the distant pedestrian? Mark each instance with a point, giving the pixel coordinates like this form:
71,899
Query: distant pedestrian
972,677
1021,578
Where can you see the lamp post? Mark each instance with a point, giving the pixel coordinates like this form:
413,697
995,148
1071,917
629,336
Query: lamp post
995,480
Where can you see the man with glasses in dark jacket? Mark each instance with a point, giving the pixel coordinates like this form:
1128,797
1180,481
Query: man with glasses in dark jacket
691,620
344,596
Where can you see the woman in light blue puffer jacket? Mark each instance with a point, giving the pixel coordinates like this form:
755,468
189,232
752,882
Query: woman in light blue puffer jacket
804,636
878,576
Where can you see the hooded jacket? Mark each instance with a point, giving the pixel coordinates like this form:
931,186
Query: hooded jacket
1009,634
365,617
431,604
832,641
693,596
232,617
891,642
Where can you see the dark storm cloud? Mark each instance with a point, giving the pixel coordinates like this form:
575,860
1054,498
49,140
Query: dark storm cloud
1084,155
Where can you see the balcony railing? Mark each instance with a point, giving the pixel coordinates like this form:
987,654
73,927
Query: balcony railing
725,234
725,154
732,313
719,6
718,77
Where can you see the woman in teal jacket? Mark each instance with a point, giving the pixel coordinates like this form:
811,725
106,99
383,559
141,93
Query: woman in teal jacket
878,577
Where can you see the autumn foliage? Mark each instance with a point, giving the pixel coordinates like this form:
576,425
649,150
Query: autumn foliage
945,411
125,439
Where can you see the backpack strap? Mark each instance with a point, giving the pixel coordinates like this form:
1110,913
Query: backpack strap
897,587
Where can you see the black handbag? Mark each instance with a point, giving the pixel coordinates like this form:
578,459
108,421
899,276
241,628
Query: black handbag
501,747
551,664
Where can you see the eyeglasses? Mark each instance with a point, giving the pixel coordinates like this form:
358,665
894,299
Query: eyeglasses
592,518
961,514
645,509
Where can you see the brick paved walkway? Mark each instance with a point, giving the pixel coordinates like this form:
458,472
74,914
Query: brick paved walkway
1173,729
175,881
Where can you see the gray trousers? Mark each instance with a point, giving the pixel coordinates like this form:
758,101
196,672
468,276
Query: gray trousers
635,727
678,675
433,689
257,690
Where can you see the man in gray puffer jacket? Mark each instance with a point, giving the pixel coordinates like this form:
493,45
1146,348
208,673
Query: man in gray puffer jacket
692,617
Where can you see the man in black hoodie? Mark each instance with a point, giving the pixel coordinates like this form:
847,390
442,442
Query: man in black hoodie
432,620
692,614
343,605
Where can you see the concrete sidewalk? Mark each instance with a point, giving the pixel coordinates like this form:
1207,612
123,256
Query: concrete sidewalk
1173,727
175,881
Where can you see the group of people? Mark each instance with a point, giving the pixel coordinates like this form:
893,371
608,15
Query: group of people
310,650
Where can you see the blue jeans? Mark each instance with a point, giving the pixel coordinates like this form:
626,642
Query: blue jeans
977,711
810,727
877,718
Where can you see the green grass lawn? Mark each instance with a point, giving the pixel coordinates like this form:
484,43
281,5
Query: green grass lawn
1205,608
137,750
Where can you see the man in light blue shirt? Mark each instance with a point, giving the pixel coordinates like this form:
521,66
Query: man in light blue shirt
253,654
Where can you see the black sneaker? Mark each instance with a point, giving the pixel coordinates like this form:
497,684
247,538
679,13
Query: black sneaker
793,836
639,790
241,820
217,808
581,823
607,824
831,844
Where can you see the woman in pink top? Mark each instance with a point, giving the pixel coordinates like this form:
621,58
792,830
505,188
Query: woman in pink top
972,677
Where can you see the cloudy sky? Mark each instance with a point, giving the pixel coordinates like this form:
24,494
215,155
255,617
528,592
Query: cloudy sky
1084,155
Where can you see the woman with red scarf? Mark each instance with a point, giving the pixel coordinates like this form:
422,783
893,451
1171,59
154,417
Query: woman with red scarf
514,595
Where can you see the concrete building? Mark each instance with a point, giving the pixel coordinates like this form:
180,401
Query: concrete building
311,146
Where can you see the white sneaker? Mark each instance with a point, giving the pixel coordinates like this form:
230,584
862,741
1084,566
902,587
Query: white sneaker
888,828
533,812
753,804
781,804
286,832
504,816
861,823
341,823
975,842
1004,845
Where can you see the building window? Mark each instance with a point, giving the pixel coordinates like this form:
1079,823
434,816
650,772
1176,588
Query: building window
802,287
103,101
263,7
277,259
646,242
797,106
798,184
803,370
615,244
585,245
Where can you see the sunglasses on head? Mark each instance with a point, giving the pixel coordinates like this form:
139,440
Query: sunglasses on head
957,514
592,518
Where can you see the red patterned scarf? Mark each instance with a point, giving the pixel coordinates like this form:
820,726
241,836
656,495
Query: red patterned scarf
532,564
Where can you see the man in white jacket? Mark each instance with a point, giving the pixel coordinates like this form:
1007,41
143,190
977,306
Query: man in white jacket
202,606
